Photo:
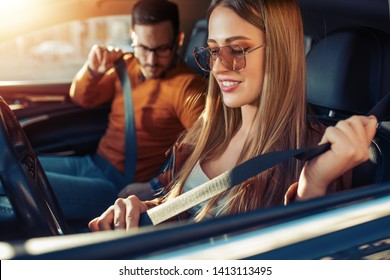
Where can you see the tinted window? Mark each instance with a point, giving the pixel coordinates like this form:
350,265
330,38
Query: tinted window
58,52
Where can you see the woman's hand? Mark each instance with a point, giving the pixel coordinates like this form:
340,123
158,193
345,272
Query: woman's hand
350,141
124,214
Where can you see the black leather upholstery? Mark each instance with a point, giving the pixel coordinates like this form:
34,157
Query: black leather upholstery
348,72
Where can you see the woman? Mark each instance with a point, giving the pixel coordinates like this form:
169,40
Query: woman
255,104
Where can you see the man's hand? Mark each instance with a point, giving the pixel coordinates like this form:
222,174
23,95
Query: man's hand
100,58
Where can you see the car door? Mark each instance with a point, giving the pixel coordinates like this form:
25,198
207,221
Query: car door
51,121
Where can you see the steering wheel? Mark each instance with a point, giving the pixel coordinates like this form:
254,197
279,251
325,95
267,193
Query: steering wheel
25,182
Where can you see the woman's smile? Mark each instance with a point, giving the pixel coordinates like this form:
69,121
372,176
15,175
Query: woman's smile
228,85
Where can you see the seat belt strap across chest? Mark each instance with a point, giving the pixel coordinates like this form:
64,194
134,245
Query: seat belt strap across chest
130,130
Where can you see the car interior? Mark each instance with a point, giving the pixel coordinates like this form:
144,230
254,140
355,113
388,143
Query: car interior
348,69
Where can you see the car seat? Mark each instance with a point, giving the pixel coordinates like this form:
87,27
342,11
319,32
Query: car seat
348,72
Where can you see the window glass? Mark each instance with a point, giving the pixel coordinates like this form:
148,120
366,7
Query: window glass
57,53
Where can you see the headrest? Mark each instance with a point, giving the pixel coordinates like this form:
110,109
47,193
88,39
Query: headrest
349,70
198,38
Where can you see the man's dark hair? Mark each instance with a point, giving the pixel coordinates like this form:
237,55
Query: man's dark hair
155,11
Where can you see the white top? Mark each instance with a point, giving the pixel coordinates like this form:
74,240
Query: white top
196,178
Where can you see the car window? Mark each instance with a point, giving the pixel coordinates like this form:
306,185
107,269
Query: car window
58,52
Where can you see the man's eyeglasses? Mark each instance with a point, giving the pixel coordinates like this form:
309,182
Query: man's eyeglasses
232,56
160,51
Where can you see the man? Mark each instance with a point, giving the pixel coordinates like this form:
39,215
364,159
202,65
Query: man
167,97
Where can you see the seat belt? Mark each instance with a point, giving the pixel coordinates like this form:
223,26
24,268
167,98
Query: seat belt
241,173
130,131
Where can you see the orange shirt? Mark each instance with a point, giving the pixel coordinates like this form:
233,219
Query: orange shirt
163,108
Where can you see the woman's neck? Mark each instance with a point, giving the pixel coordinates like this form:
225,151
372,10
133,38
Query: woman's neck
228,159
248,113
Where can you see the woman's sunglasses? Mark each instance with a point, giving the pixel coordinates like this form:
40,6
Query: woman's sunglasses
231,56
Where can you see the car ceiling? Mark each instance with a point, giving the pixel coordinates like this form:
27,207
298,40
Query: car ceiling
17,18
319,16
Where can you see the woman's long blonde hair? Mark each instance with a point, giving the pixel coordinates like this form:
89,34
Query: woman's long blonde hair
281,115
